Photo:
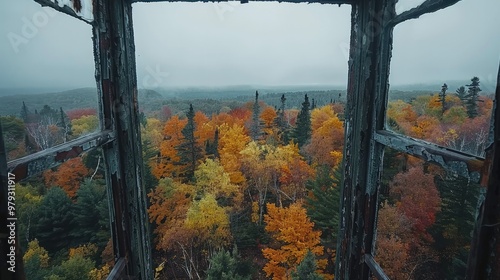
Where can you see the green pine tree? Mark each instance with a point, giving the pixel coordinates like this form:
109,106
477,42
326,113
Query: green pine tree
91,217
25,113
472,98
188,151
65,125
455,222
255,127
52,222
461,93
227,266
324,205
302,132
442,97
306,270
282,123
212,148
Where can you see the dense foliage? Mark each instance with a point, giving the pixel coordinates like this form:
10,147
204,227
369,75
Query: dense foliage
258,176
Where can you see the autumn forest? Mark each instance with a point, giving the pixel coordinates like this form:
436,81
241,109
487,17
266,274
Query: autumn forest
252,191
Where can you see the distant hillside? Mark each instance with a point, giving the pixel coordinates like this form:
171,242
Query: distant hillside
68,100
71,99
207,99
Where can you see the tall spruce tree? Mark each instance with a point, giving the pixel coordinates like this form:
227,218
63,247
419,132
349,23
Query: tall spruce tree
454,223
65,125
461,93
472,98
212,148
25,114
324,204
188,151
302,132
227,266
442,97
306,270
255,132
281,121
52,221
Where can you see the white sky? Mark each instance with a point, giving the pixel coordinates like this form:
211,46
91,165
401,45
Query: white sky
206,44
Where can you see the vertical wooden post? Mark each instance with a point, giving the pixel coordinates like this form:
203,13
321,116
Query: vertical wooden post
114,53
369,58
484,257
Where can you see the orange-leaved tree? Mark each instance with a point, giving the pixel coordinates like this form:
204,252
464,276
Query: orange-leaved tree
68,176
167,162
169,202
327,138
293,236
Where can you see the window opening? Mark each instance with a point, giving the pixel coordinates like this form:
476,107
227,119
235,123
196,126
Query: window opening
48,95
441,89
426,218
358,204
247,173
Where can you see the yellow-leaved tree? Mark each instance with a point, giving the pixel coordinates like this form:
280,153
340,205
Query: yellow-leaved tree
232,141
212,179
35,250
293,236
209,222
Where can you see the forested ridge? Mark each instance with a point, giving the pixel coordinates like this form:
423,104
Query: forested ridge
251,190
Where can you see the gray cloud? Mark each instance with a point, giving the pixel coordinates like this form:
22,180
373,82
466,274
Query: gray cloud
257,43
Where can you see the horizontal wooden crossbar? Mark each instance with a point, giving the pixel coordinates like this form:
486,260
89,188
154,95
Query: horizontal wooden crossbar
38,162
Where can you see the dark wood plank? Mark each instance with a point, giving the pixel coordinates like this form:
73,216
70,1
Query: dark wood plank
339,2
76,8
484,257
49,158
427,7
375,268
118,270
369,60
453,161
114,52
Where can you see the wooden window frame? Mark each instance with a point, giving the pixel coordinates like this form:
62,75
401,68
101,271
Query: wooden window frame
372,24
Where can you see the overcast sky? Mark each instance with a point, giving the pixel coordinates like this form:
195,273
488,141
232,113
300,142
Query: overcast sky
197,44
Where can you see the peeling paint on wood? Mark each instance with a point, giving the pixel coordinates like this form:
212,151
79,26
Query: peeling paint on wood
429,6
114,53
484,257
370,52
456,162
80,9
339,2
38,162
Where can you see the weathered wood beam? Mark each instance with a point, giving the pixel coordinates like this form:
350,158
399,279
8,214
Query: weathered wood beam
375,268
114,53
369,60
80,9
451,160
339,2
49,158
427,7
484,257
118,270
